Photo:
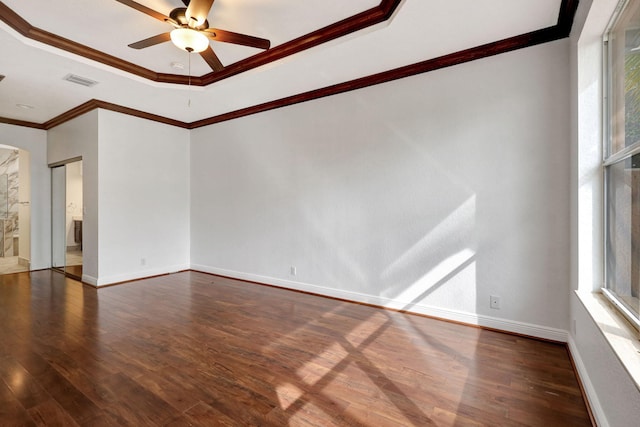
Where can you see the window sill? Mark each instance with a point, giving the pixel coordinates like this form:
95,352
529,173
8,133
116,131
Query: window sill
622,337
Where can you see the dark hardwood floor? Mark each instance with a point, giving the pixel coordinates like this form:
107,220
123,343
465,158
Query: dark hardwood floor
74,271
194,349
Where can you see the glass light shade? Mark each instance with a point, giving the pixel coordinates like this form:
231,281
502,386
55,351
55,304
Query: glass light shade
189,40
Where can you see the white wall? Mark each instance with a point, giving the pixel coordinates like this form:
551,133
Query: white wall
35,142
613,396
79,138
431,192
144,198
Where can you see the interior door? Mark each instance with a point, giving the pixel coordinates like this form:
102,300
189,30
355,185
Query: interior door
58,217
75,209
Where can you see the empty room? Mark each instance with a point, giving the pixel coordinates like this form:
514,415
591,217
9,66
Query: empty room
320,213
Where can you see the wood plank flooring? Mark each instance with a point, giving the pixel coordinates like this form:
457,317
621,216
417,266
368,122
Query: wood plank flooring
190,349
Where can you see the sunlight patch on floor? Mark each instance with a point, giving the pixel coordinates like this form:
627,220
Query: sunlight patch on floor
288,394
359,334
322,364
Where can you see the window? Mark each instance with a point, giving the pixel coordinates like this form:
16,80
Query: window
622,162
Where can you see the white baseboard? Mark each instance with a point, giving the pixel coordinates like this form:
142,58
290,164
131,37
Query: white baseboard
590,391
522,328
90,280
142,274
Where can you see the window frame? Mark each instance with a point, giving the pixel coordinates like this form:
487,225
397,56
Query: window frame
611,158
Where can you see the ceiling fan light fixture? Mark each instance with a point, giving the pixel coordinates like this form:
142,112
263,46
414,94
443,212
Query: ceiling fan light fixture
189,40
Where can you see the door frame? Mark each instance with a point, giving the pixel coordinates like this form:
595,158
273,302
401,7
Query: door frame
63,212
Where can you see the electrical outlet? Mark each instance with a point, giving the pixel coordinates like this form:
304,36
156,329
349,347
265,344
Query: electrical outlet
293,271
494,302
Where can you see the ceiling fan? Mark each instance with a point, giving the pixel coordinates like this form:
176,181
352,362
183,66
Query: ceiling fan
191,31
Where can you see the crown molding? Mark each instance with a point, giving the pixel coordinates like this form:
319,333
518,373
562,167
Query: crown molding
559,31
15,21
22,123
357,22
96,103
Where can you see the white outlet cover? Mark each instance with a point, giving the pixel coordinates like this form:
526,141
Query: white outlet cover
494,302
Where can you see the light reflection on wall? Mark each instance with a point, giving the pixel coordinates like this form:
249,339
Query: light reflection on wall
448,250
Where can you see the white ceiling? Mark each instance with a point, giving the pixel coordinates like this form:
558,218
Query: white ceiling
420,30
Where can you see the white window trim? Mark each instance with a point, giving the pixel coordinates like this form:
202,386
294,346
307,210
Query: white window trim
610,159
589,100
624,311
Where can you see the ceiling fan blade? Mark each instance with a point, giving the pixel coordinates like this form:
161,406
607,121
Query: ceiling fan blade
212,59
144,9
171,21
237,38
199,10
151,41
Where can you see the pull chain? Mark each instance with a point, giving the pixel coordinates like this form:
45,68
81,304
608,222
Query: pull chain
189,89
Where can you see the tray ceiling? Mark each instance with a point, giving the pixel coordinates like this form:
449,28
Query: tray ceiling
419,30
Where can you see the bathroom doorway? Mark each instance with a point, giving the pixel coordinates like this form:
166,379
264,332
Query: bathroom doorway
15,210
66,218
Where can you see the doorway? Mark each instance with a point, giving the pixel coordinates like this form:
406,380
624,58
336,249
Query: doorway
15,210
66,218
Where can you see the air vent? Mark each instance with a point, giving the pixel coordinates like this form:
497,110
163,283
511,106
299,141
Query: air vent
80,80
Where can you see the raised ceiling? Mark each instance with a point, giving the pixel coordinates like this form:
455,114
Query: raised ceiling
417,31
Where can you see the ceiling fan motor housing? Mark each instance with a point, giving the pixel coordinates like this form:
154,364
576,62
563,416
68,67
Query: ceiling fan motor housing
179,15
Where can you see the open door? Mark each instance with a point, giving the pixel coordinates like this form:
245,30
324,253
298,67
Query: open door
58,217
66,218
15,210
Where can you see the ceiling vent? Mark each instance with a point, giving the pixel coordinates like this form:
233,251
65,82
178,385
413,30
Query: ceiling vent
80,80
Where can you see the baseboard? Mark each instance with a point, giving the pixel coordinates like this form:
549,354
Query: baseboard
142,274
589,389
24,262
505,325
89,280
